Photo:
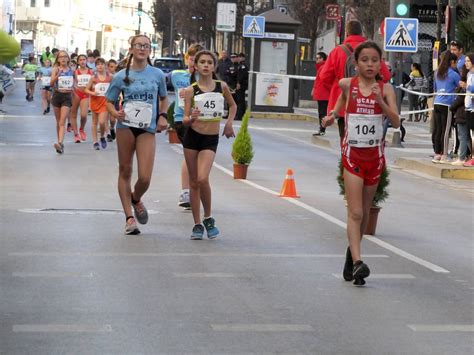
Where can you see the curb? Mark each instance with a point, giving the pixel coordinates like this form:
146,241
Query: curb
443,171
282,116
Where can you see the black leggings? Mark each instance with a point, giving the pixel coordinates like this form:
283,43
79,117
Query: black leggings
440,118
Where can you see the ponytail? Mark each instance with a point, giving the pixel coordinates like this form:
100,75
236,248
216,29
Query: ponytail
126,80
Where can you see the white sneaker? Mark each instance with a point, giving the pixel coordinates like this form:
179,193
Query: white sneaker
458,162
184,200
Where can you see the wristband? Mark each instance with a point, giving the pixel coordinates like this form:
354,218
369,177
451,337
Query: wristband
164,114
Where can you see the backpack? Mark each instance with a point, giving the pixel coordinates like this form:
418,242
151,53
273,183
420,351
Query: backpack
349,66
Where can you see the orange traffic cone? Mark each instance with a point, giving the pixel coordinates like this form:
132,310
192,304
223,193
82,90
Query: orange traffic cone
288,189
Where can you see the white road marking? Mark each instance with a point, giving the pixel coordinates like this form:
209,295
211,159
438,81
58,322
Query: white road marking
62,328
244,255
442,327
262,328
343,225
406,255
77,211
384,276
52,274
209,275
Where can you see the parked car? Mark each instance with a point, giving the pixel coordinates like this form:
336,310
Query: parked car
167,65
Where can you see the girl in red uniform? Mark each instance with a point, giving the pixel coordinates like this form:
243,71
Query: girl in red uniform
80,100
367,100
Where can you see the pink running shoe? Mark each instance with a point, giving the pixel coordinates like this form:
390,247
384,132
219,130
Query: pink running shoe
77,139
82,134
469,163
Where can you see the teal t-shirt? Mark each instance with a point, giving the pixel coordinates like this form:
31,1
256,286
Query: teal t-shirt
180,79
146,86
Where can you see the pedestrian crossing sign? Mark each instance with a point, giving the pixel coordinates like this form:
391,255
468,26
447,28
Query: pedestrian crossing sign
254,26
401,35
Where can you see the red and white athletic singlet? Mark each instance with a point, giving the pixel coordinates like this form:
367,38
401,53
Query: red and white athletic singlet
363,133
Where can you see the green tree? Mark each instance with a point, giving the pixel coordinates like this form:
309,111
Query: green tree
242,148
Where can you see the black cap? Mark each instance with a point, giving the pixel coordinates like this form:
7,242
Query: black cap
242,55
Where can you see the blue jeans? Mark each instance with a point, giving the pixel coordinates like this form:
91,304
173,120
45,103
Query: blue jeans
463,133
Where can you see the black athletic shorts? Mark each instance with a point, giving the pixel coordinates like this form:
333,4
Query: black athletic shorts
180,130
197,141
62,99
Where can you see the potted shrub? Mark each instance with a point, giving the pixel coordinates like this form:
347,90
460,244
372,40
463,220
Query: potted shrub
380,196
172,134
242,149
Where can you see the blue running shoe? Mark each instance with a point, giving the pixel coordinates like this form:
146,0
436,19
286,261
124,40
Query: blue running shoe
211,228
103,143
198,232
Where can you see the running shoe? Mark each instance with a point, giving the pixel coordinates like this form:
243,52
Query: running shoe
109,138
458,162
141,214
96,146
112,133
321,132
45,112
198,232
469,163
103,143
211,229
446,160
77,138
69,127
82,134
347,272
59,148
359,272
184,200
436,158
131,227
47,109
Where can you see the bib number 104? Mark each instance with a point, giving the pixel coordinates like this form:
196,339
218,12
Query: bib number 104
365,129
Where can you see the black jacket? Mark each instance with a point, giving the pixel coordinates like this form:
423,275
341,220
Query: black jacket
458,109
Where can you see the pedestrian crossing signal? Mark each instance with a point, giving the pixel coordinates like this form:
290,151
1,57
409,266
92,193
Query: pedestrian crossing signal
401,37
402,8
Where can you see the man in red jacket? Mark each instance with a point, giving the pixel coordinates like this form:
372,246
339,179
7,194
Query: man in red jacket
320,92
333,70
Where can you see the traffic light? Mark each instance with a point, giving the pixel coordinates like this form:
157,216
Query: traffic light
140,8
402,8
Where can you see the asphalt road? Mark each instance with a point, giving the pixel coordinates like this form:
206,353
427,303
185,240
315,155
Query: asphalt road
71,282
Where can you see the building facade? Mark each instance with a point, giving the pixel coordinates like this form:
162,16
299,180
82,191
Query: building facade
84,24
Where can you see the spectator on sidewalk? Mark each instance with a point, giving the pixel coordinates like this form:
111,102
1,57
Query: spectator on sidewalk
320,92
446,80
334,69
223,66
415,83
469,102
457,49
46,55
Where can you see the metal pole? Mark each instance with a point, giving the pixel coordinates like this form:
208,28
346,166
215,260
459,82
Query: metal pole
171,35
452,28
252,55
438,20
139,24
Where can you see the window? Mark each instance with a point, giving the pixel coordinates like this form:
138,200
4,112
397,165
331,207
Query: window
33,3
46,3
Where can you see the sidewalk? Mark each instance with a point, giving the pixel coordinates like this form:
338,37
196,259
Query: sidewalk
414,154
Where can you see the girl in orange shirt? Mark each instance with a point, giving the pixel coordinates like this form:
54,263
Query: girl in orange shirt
97,87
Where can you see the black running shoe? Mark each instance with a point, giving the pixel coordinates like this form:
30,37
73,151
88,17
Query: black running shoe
359,272
347,272
112,133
